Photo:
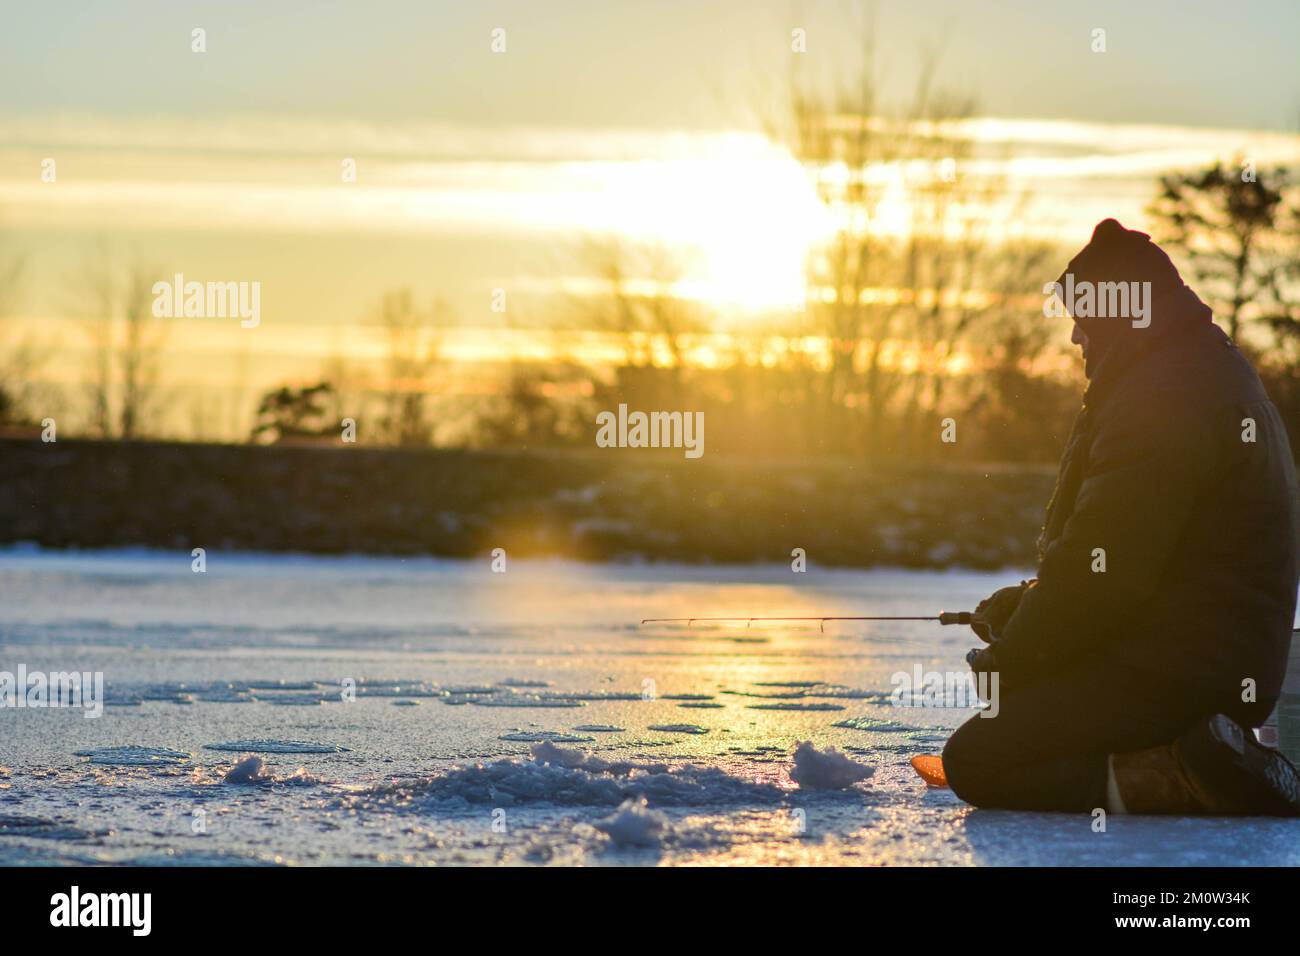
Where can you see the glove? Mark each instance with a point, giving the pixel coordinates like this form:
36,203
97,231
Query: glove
991,614
983,660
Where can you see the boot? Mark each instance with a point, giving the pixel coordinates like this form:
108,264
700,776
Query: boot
1215,769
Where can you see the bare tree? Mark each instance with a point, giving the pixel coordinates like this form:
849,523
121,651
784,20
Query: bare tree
414,339
899,287
20,356
539,404
638,301
342,399
126,343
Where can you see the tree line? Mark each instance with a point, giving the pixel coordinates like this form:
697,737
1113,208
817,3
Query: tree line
938,320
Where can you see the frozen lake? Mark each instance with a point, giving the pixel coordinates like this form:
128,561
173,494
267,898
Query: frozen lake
411,677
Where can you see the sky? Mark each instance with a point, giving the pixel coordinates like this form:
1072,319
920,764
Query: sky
656,63
480,170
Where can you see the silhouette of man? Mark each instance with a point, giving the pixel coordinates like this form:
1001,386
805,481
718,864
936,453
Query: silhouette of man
1155,634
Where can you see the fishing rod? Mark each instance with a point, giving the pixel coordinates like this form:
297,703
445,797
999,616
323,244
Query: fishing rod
943,617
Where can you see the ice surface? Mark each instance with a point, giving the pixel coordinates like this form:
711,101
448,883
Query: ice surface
259,650
554,775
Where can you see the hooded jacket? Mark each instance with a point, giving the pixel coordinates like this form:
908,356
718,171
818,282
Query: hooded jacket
1169,547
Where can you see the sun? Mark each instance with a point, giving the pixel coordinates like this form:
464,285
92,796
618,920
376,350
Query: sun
744,215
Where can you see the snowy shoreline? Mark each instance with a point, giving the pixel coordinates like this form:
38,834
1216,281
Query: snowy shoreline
594,506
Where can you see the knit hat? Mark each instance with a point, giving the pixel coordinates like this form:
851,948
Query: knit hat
1122,286
1116,254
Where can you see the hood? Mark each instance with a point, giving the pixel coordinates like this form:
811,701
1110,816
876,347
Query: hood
1124,291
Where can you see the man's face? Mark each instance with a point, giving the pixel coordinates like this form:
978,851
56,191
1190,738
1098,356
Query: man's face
1080,338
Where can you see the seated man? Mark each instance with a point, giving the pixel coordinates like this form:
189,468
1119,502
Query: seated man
1156,632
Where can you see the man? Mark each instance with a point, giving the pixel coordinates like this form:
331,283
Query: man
1156,632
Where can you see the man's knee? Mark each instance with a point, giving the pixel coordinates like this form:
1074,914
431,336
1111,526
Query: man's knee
968,764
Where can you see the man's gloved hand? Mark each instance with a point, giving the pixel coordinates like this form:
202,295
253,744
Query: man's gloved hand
983,660
991,614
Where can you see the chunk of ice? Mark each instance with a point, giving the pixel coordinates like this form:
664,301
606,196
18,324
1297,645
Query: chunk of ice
634,824
826,769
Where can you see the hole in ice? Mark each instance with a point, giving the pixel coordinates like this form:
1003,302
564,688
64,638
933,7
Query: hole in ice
524,700
134,756
277,747
792,705
874,724
39,827
679,728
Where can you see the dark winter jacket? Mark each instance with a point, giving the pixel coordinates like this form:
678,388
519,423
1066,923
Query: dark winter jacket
1193,521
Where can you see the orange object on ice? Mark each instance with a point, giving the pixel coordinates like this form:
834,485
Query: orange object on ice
930,769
